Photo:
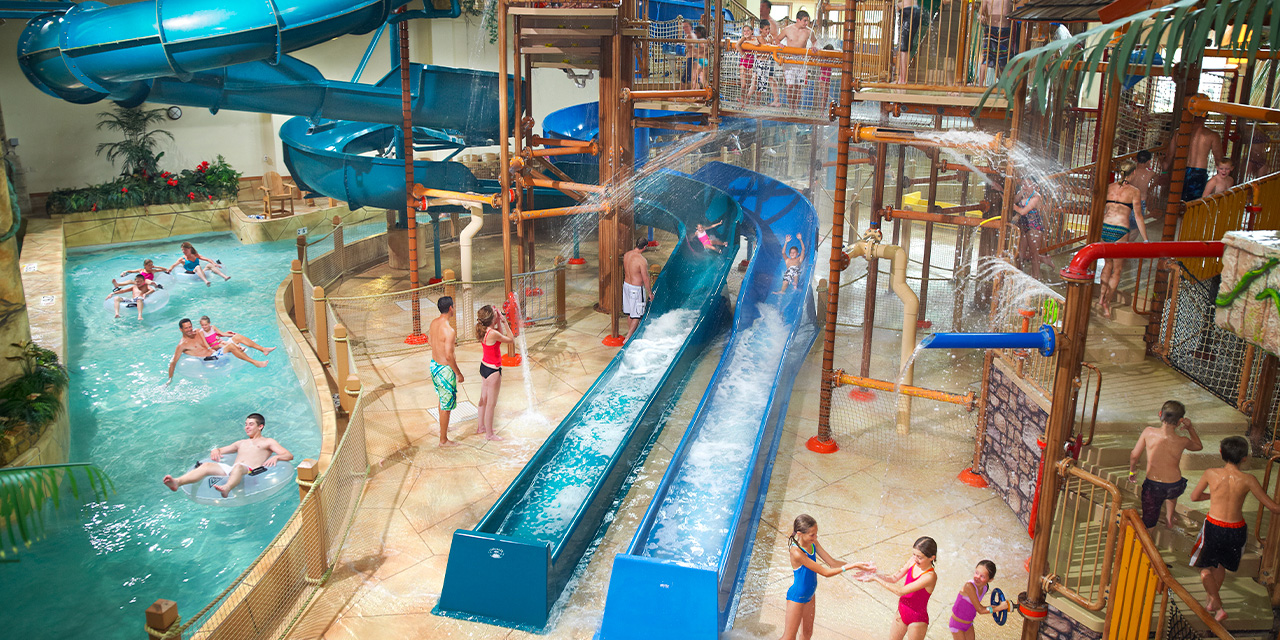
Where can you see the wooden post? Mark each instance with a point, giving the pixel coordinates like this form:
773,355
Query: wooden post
299,296
302,248
339,246
350,391
561,309
315,545
161,616
341,357
1264,393
451,290
321,330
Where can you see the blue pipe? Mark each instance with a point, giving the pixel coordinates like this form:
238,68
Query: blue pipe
1042,340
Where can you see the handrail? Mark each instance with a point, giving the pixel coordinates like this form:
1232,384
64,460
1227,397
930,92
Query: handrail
1130,521
1067,469
1079,268
1273,457
1097,392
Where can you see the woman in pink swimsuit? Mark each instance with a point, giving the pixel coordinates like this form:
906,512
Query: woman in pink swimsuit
913,594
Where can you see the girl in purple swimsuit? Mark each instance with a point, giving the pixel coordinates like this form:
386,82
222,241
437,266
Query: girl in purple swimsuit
969,602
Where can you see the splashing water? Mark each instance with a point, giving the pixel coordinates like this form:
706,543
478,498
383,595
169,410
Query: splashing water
1018,290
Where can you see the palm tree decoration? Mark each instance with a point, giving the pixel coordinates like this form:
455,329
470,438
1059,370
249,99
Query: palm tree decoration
26,492
1182,26
137,152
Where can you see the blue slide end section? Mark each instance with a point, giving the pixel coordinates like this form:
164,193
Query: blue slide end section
531,541
691,551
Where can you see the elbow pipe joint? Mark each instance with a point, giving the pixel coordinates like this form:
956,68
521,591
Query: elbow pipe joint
1081,267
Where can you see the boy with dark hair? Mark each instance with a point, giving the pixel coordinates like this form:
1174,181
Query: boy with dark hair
1221,542
1164,446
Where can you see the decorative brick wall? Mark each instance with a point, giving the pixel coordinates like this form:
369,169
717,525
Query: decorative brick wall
1016,415
1057,626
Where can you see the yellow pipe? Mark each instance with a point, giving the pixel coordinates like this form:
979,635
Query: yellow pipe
869,133
968,400
1200,106
910,308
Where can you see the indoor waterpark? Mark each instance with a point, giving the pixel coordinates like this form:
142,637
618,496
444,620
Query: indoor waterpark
640,319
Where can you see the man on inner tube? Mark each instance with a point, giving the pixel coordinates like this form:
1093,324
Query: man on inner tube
193,344
253,454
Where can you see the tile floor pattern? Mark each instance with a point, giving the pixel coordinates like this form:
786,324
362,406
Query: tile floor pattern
869,506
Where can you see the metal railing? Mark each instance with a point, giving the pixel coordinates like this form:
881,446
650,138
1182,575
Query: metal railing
1084,537
1140,577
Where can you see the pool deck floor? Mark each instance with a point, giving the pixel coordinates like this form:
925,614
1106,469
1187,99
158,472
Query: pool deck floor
869,507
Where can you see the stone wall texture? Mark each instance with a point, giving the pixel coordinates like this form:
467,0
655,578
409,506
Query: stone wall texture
1253,312
1010,456
1057,626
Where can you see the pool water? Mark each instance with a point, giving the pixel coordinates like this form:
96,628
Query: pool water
102,564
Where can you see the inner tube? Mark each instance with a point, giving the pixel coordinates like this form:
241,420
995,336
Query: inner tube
154,302
193,367
183,275
257,485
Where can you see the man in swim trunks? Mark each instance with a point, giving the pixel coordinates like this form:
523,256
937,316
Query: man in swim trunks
797,35
996,28
914,19
636,289
1164,446
193,344
1203,142
445,374
1221,542
136,294
254,453
791,277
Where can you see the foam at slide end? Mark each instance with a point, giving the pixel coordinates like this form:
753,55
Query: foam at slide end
656,599
496,577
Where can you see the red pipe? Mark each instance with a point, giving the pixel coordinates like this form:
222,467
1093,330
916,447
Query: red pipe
1082,263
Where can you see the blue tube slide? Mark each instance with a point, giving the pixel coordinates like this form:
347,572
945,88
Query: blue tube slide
534,537
95,51
1042,341
686,563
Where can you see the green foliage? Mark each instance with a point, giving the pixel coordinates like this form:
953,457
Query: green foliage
26,492
486,11
137,152
33,399
1177,30
207,181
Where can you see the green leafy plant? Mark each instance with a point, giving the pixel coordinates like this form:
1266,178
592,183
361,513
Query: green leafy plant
1180,27
33,399
27,492
137,152
215,180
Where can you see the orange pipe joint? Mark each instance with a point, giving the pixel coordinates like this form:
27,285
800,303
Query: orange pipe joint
1201,106
968,400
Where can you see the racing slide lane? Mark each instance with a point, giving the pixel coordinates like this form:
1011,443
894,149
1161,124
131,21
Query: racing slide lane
691,551
512,566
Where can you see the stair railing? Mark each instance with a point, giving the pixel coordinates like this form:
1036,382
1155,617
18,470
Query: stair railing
1140,576
1080,557
1269,568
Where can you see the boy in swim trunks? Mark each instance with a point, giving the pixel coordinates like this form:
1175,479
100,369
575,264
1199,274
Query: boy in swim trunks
136,293
253,453
1221,180
1164,446
1221,542
914,20
996,28
445,374
797,35
1204,141
636,288
791,277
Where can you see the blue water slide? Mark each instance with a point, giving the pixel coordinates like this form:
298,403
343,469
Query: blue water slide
530,542
691,551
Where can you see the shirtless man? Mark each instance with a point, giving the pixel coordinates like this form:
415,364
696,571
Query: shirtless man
252,453
445,373
797,35
1221,542
193,344
766,8
914,19
996,28
136,293
794,255
1141,179
1221,180
1164,446
1203,142
636,290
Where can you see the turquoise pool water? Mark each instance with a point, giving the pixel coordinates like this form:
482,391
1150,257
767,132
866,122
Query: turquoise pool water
103,563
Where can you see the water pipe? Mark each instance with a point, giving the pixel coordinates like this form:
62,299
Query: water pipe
968,400
1201,106
464,238
1081,265
868,133
910,308
1043,341
536,214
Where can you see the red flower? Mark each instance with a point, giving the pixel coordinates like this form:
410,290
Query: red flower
94,207
191,195
164,175
210,197
124,189
173,182
202,166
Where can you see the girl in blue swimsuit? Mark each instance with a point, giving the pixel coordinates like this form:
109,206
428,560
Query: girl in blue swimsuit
805,551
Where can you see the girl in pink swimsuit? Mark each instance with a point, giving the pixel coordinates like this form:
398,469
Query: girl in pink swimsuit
969,602
913,594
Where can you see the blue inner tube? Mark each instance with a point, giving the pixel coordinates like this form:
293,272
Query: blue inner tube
257,485
153,302
997,598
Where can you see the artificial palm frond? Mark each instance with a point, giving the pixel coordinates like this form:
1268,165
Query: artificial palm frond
1176,31
25,494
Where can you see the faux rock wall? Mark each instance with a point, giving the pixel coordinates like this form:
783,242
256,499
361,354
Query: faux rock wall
1057,626
1016,415
1249,297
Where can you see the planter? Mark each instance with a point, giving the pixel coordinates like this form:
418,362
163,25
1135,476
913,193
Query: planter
153,222
49,445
